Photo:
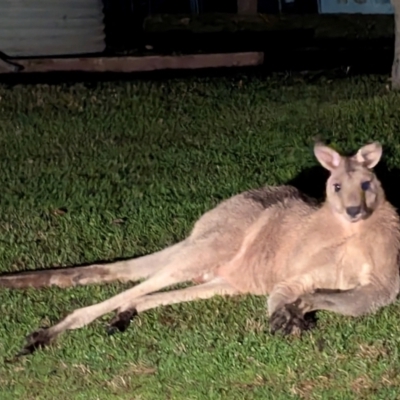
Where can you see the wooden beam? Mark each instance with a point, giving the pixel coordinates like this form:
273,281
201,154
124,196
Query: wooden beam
136,64
346,26
6,66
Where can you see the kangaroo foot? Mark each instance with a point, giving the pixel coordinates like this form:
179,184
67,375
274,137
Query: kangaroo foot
121,321
36,340
290,320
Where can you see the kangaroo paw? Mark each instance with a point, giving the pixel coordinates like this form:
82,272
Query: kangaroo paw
36,340
121,321
290,321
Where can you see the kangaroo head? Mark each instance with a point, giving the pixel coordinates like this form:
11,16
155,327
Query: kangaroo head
352,189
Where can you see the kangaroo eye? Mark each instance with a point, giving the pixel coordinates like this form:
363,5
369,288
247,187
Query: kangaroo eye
337,187
365,185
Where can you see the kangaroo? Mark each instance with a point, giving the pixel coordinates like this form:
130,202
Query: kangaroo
340,255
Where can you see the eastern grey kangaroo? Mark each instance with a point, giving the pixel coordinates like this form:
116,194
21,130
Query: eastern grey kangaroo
341,255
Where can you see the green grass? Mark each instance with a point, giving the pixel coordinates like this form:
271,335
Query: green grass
134,165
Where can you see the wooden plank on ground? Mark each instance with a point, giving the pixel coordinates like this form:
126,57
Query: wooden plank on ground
136,64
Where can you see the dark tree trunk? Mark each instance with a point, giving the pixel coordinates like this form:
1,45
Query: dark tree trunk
247,6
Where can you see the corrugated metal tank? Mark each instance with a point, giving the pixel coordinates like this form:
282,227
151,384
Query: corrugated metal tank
33,28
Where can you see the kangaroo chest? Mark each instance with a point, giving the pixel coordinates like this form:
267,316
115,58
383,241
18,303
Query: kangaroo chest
330,264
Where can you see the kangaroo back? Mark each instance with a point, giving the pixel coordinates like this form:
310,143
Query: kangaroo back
220,230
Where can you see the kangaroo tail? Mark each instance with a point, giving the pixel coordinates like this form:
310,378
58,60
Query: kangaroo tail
133,270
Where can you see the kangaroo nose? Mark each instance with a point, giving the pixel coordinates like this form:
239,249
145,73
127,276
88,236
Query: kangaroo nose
353,211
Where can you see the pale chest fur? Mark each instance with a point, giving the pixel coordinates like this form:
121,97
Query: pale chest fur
334,255
301,245
330,263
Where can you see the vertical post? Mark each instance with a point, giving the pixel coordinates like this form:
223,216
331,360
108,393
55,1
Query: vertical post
248,6
396,59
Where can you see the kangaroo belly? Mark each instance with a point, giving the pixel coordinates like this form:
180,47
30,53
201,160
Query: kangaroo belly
256,266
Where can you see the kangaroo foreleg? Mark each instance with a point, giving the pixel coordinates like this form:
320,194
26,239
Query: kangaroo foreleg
355,302
216,287
285,316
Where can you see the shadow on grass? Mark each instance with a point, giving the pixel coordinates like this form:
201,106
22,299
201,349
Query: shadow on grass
390,179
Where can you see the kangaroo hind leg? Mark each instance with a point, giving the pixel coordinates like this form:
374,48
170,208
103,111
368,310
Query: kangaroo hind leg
186,264
215,287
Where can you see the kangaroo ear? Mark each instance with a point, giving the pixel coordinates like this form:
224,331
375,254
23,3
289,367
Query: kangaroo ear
369,155
327,157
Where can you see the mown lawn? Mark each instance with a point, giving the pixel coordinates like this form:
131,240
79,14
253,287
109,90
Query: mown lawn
123,169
